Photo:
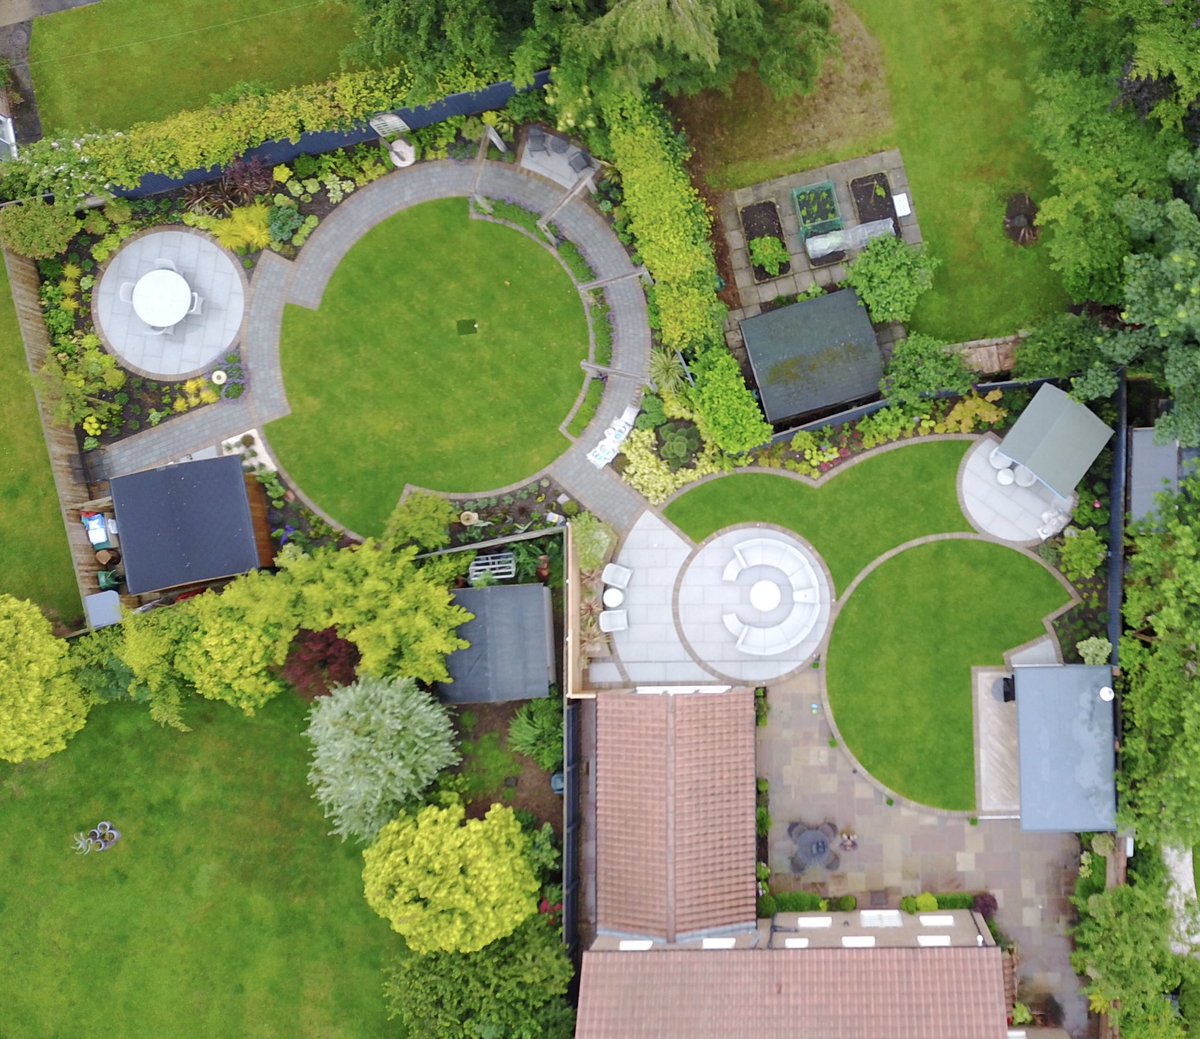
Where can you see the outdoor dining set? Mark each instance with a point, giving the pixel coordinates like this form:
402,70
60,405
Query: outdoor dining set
162,297
616,579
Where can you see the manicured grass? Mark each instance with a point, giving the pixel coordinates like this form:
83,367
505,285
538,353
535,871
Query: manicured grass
958,81
385,391
123,61
226,909
587,409
35,561
900,658
881,502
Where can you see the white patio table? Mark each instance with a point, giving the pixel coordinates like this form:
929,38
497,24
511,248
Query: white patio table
161,298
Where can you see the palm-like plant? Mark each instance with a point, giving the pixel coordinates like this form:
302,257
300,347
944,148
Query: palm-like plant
666,372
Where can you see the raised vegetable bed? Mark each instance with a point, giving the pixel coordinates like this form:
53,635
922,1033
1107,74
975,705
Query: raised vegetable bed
761,220
817,209
873,198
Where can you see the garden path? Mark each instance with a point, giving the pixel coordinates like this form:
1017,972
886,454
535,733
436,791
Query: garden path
278,281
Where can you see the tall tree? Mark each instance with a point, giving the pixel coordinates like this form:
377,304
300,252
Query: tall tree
513,987
922,367
449,887
41,704
377,744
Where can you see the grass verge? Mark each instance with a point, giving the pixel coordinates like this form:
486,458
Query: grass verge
113,64
900,659
226,909
386,391
35,560
877,504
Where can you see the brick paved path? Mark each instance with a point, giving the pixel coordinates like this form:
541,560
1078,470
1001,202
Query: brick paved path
278,282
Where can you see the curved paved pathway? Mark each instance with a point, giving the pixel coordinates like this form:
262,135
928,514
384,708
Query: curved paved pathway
278,282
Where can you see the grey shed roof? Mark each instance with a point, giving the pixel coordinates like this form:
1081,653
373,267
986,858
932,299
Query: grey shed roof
1065,746
183,524
1154,469
813,355
511,656
1057,439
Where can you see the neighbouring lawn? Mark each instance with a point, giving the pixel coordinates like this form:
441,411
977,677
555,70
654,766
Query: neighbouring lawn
385,391
958,81
226,909
123,61
35,560
900,658
877,504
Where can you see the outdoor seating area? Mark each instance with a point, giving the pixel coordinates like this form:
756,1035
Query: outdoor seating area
996,502
556,158
170,303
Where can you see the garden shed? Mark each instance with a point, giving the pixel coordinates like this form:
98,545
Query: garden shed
190,523
813,355
511,656
1155,469
1065,735
1057,439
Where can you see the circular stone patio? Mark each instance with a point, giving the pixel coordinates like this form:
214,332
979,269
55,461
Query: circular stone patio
197,340
754,603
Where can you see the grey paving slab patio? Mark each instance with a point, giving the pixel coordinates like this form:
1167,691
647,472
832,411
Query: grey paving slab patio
1008,511
561,162
197,339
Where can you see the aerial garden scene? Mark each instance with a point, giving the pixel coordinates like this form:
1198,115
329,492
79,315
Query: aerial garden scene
393,389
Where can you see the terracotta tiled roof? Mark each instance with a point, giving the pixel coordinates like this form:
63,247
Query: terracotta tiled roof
675,838
927,993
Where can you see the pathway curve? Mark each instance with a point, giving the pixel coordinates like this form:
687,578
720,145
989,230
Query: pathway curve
278,282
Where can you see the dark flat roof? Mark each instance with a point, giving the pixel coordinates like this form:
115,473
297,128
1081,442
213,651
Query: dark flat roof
184,523
813,355
1065,746
511,656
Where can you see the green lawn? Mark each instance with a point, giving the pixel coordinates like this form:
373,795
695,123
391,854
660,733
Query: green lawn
226,910
383,388
122,61
956,104
900,658
35,562
881,502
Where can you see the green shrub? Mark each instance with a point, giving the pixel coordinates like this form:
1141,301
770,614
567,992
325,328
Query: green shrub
800,902
926,903
1081,554
283,222
847,904
767,906
1094,651
536,731
652,414
769,254
922,367
762,821
726,413
908,904
680,441
594,539
951,900
890,276
38,230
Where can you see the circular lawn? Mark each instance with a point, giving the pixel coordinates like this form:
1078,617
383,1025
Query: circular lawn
900,658
445,354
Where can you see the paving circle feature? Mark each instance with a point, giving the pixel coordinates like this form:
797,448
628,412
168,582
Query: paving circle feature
754,603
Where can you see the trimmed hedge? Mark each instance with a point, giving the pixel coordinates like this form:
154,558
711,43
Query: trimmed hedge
800,902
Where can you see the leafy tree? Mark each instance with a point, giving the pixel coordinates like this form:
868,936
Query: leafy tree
1164,54
449,887
725,412
1159,780
399,617
41,705
320,660
1081,554
37,229
1063,346
536,731
240,642
890,276
513,987
1121,946
146,651
377,744
922,367
421,519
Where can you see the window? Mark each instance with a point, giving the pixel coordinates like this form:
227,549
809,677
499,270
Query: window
859,941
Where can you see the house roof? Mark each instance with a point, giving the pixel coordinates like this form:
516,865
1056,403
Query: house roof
1065,748
813,355
184,524
927,993
675,800
511,656
1057,439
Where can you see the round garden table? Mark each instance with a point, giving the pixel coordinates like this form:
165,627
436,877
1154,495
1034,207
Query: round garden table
765,596
161,298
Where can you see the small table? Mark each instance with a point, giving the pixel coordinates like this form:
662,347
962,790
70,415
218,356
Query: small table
161,298
1024,476
1004,477
613,597
764,596
559,145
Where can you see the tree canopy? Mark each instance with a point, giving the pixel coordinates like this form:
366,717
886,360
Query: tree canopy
446,884
922,367
41,704
377,745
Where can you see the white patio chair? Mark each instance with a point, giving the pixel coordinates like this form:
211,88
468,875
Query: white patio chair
125,292
162,263
616,576
197,303
614,620
161,331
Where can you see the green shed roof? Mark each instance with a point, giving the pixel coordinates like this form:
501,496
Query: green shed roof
1057,439
813,355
